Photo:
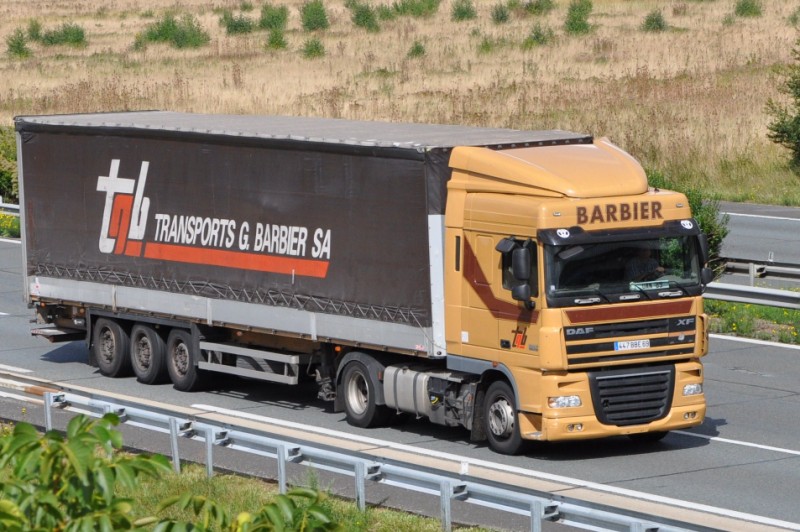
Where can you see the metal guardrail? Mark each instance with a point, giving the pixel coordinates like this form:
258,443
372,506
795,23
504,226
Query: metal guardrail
753,295
9,208
540,506
763,270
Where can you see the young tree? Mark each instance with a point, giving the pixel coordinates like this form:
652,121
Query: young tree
785,126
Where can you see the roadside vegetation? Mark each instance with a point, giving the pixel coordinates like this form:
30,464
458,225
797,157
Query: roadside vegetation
81,480
754,321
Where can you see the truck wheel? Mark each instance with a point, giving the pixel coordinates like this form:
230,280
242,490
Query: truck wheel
359,398
110,346
182,363
148,355
500,415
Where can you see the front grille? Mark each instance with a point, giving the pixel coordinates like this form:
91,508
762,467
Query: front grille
632,396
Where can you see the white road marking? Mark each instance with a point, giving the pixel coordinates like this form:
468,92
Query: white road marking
762,216
3,314
10,241
18,397
754,341
14,369
466,462
742,443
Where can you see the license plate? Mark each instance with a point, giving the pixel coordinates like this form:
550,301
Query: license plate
632,344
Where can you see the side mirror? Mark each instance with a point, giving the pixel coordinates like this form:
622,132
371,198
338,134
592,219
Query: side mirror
706,276
521,292
521,264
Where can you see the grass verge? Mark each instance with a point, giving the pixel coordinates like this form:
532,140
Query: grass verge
754,321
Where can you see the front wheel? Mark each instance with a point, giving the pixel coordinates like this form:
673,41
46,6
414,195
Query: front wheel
359,398
182,362
110,346
500,414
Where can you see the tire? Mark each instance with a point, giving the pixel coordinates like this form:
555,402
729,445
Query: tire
648,437
182,362
359,398
500,417
110,347
148,355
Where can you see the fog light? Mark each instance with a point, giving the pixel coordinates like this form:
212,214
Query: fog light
575,427
693,389
690,415
564,401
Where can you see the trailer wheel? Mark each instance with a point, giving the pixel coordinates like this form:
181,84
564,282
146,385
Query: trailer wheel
148,355
110,347
500,415
182,362
359,398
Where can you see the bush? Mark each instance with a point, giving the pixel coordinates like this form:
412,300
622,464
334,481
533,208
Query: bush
577,21
313,48
794,18
539,7
364,16
9,225
313,16
417,50
34,30
748,8
654,22
539,36
9,186
785,126
69,34
183,33
236,24
386,12
274,18
705,210
17,44
276,40
500,14
416,8
463,10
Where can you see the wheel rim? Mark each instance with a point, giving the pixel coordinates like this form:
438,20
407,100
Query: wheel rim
143,352
107,345
357,393
180,359
501,418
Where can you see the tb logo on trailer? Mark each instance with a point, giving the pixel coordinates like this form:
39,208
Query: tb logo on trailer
125,212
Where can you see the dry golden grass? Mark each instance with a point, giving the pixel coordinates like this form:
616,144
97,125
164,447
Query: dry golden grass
689,101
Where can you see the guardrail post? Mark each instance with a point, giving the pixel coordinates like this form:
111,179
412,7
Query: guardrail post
446,494
173,441
537,512
282,469
209,452
752,274
361,473
48,414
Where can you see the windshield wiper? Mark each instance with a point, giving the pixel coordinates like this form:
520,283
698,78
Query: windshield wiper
674,293
593,300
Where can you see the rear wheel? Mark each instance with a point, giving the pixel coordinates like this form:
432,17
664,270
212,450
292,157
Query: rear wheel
182,362
148,355
359,398
500,414
110,346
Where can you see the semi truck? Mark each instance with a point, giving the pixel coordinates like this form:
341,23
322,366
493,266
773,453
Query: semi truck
523,285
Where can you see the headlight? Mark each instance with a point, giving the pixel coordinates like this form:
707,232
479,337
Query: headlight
564,401
693,389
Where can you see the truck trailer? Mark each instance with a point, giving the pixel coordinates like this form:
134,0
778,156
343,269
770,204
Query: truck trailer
523,285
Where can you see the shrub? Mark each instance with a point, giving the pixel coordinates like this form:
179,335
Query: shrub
794,18
364,16
539,7
274,17
9,186
313,16
70,34
417,50
500,14
654,21
487,45
183,33
539,36
748,8
9,225
785,126
276,40
236,24
246,6
34,30
416,8
313,48
705,210
386,12
577,21
463,10
17,44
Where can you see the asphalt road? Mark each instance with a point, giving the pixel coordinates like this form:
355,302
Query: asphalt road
745,457
763,233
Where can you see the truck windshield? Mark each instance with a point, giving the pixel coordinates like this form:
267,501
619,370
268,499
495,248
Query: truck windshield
611,272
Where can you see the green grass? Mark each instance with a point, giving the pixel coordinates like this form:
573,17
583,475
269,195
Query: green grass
236,24
66,34
577,21
17,45
748,8
654,22
313,48
416,8
754,321
273,17
9,225
314,16
185,32
463,10
539,36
